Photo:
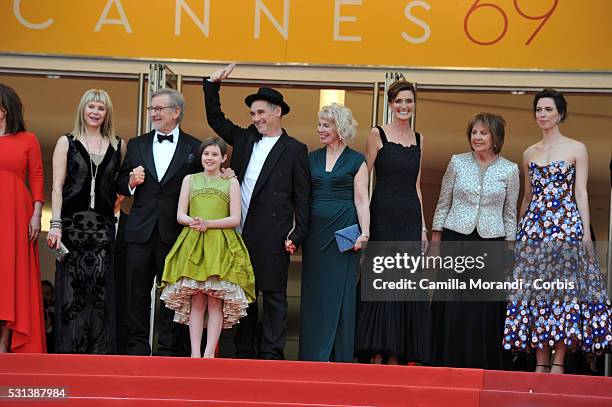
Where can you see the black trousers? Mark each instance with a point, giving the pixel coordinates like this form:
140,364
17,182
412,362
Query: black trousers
144,262
274,328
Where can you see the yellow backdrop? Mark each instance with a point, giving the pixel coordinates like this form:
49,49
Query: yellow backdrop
545,34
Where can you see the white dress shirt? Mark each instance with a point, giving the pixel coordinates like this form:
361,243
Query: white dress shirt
162,154
261,149
164,151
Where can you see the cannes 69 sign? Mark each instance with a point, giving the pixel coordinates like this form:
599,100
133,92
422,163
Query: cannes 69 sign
523,34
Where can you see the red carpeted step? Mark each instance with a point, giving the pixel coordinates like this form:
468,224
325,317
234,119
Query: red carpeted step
92,402
493,398
248,369
277,391
545,383
138,381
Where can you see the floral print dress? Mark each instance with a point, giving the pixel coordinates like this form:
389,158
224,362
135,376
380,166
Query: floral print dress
563,298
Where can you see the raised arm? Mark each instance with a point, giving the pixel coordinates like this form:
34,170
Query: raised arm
221,125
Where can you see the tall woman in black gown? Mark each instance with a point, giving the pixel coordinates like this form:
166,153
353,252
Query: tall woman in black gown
85,164
393,331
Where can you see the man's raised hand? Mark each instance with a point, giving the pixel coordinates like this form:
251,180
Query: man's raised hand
222,74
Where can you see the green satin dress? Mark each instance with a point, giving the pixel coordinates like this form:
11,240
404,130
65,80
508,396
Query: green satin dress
215,262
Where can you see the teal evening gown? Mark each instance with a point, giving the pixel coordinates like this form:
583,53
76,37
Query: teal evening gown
329,277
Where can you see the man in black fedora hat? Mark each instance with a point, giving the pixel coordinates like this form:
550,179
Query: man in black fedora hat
272,168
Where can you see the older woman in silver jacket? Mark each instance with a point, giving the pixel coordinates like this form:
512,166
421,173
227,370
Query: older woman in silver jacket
478,202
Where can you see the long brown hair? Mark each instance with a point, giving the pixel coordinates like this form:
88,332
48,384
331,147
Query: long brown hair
13,110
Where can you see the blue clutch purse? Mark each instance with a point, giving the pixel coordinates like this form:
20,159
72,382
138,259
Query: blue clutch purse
347,237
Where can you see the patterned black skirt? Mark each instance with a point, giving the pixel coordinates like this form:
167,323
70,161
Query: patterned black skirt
84,286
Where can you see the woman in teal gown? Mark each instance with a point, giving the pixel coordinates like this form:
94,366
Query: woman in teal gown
329,277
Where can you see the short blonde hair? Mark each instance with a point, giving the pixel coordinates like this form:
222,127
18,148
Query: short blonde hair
108,128
342,119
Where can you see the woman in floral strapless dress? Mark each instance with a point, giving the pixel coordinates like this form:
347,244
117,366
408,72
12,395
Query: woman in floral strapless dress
554,245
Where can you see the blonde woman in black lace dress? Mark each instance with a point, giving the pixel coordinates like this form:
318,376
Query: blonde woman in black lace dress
85,165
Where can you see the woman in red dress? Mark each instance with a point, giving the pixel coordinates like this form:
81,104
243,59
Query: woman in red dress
22,326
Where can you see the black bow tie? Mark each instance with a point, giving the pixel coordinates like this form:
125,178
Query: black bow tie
258,137
162,137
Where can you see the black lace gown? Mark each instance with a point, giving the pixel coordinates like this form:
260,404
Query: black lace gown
395,328
84,281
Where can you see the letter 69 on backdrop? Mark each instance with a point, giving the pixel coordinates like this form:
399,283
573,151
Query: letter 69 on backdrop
521,34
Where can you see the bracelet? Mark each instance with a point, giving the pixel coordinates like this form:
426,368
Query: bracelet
364,235
55,223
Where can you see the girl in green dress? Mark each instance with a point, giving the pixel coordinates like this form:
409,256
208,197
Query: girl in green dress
208,266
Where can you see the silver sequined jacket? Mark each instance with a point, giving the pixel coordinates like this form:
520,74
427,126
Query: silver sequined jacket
485,200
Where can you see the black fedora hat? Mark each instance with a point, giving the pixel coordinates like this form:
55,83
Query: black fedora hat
270,95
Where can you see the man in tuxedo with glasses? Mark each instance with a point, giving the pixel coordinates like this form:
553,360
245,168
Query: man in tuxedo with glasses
152,173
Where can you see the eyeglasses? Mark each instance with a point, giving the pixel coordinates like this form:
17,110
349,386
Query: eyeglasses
158,109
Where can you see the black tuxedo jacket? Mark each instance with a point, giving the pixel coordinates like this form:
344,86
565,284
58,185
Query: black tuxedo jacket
155,200
282,190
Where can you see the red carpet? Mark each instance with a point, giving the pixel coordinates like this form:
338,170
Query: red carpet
148,381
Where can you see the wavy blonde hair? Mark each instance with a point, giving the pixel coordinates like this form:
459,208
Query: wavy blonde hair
342,119
108,127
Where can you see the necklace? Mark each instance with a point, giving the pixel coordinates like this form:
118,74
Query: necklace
94,174
332,157
487,161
